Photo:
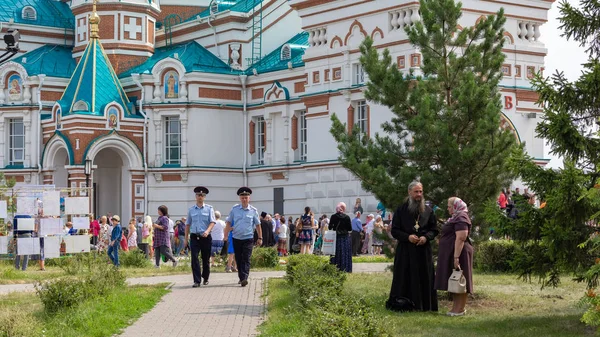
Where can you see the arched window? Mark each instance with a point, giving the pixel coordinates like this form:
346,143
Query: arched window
29,13
81,106
286,53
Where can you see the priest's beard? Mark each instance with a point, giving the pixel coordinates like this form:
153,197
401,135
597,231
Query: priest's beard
416,207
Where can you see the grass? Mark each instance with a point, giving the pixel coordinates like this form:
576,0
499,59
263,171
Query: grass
501,306
21,314
9,275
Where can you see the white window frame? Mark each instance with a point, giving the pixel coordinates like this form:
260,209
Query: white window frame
286,53
25,16
358,74
361,117
11,140
302,136
167,144
261,129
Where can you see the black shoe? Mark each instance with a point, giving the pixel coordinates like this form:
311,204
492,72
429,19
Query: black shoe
244,283
196,285
205,282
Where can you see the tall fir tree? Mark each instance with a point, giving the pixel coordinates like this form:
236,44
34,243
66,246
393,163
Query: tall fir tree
446,117
555,238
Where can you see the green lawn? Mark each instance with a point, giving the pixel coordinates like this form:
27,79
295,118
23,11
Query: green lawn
502,306
21,314
9,275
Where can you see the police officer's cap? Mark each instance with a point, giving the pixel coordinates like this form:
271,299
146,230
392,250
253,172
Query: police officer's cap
244,191
201,189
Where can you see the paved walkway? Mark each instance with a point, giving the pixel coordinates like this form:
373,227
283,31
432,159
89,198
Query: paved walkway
222,308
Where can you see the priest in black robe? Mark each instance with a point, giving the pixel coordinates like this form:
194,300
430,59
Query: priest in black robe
414,226
268,239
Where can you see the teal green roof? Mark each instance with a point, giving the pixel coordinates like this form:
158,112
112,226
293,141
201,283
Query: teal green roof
50,13
273,61
193,56
51,60
242,6
95,83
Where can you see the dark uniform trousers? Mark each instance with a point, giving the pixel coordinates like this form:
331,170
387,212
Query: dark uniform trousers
243,252
355,242
201,245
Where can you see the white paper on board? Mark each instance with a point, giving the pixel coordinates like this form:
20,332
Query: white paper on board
4,244
50,226
3,209
26,206
52,247
28,246
26,224
77,205
51,203
77,244
81,223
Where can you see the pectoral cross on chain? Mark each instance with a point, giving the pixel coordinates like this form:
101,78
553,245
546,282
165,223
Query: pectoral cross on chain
417,223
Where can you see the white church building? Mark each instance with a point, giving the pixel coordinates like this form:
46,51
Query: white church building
161,96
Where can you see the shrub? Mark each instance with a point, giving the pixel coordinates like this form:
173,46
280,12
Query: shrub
61,294
16,322
264,257
496,256
344,317
134,258
316,280
66,293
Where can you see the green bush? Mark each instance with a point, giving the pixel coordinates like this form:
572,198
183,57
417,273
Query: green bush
495,256
316,280
65,293
61,294
134,258
344,316
264,257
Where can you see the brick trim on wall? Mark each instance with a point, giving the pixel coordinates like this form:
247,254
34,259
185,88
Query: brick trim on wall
258,93
299,87
234,95
350,118
294,133
252,135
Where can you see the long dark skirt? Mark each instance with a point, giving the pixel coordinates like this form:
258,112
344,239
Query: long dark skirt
343,253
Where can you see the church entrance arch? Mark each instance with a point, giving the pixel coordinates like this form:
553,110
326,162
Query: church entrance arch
113,160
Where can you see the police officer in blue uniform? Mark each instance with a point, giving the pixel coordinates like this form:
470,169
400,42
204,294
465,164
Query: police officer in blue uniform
199,223
242,220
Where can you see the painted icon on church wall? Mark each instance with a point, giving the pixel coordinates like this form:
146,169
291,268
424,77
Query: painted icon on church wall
171,83
15,88
113,117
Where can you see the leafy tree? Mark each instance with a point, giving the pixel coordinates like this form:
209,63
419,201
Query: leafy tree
445,125
551,237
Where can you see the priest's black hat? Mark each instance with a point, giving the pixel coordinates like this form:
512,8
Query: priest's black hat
244,191
201,189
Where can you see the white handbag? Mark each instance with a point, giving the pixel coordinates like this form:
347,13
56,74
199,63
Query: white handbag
457,283
329,241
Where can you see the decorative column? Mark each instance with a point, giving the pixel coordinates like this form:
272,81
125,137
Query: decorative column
26,93
350,118
28,135
157,142
286,139
2,139
184,142
183,92
269,140
156,92
2,96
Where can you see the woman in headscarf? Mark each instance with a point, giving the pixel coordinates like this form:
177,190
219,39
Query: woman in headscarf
455,251
341,224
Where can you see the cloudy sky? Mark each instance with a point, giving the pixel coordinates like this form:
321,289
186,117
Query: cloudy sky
563,55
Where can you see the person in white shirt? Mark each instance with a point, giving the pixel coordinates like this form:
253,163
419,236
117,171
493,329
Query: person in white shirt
218,235
368,244
172,232
282,243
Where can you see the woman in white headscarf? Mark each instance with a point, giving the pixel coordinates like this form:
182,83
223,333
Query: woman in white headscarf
455,251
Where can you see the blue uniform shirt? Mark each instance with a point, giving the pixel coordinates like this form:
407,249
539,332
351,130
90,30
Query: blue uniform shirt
243,221
199,218
356,225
